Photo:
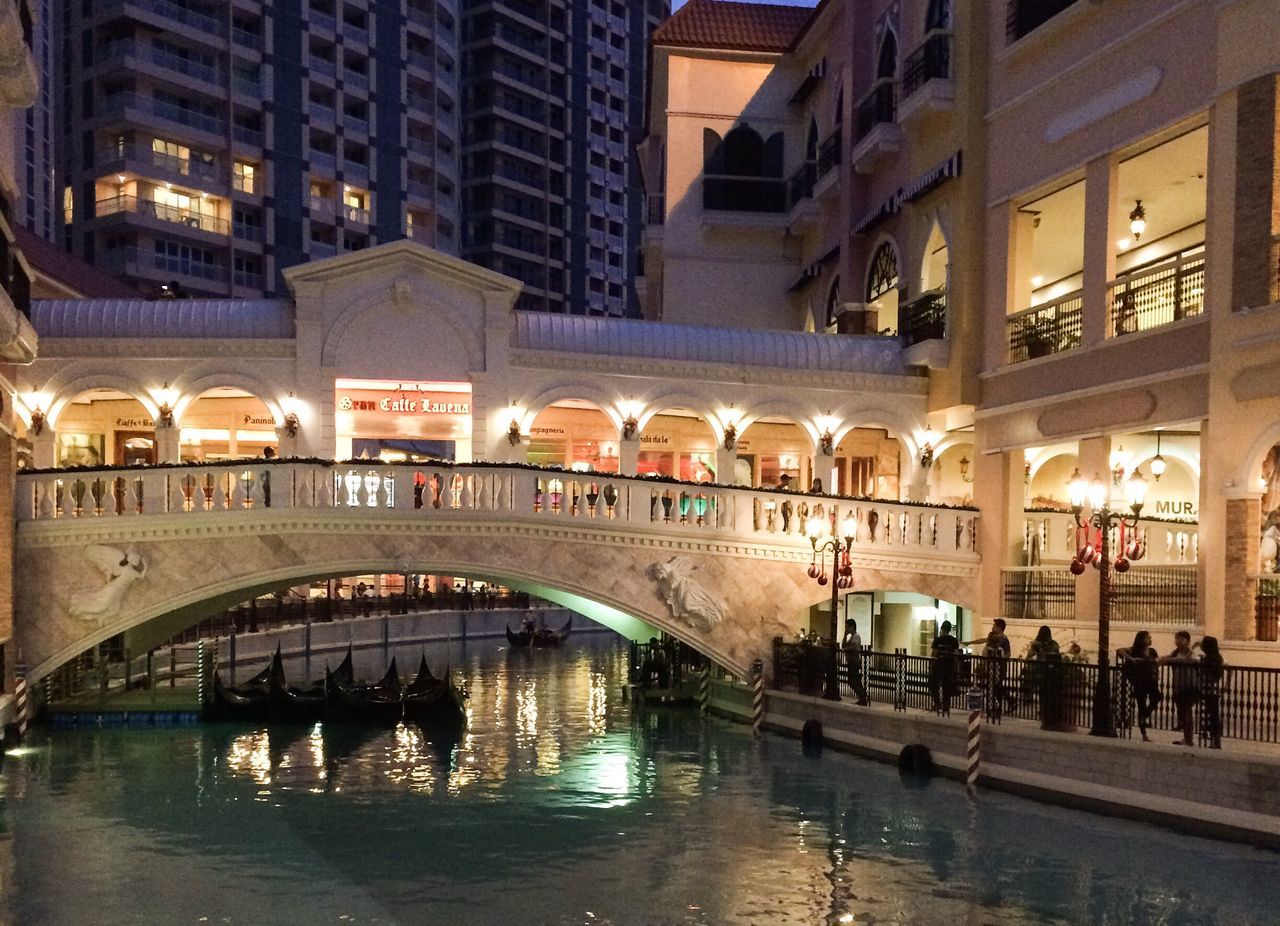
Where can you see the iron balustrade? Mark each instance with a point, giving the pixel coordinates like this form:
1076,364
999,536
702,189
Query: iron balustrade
743,194
931,61
1168,542
124,203
926,316
202,167
656,209
370,489
1158,293
1267,607
1049,328
829,153
800,185
878,107
663,664
1234,702
135,261
161,57
1039,593
1275,269
1158,596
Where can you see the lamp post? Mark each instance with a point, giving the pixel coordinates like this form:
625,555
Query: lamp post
822,536
1102,518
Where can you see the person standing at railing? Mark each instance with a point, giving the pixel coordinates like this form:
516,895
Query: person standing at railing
852,647
268,453
1047,678
1211,671
942,671
1186,684
1140,667
995,651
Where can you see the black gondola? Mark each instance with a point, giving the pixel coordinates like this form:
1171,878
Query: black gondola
435,703
422,681
544,637
345,674
239,703
380,703
519,640
292,704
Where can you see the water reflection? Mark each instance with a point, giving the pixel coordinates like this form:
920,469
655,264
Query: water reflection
559,804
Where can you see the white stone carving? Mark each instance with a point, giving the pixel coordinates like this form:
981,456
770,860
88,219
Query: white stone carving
121,570
688,599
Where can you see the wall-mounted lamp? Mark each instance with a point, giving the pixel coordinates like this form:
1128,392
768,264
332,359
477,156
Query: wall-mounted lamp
630,425
926,449
964,470
37,420
291,421
514,437
827,443
1138,221
167,397
730,436
1119,465
1157,462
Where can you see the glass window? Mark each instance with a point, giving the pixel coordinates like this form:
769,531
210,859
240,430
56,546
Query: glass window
243,177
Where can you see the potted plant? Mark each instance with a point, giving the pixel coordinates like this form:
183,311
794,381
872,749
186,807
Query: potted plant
1039,336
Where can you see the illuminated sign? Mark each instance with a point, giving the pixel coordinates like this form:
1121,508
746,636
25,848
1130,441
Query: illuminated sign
422,404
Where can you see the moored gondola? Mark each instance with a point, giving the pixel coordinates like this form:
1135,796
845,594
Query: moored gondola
292,704
435,703
379,703
238,703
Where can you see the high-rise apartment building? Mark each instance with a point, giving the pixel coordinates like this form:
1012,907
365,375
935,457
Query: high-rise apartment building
34,135
213,144
552,93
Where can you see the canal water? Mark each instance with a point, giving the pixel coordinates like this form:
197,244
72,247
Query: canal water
562,804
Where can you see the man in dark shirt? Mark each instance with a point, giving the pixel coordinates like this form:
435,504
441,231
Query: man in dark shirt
942,680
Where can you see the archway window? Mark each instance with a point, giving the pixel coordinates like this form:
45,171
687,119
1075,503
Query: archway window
938,16
833,302
225,423
887,63
884,272
737,169
839,115
811,143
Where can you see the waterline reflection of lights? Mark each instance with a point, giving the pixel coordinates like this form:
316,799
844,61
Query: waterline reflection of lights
527,713
597,704
315,742
250,754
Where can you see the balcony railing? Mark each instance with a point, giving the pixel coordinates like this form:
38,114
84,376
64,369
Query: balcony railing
926,316
248,135
162,211
200,22
1155,596
800,186
248,278
246,232
1267,607
320,250
829,153
1050,328
246,38
1158,293
134,260
196,168
191,118
420,59
743,194
163,58
876,108
322,205
355,214
931,61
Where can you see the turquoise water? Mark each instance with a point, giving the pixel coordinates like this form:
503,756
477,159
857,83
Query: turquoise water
562,805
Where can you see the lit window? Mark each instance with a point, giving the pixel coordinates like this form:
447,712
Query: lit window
68,205
243,176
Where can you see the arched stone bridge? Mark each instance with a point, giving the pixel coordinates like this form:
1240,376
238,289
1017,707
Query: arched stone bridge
99,553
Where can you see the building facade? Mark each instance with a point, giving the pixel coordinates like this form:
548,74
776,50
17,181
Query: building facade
553,95
211,145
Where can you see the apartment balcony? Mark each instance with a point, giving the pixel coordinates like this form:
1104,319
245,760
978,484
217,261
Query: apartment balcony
323,161
243,231
927,84
163,59
160,215
323,67
322,22
1158,293
320,250
355,215
352,33
248,279
876,130
420,60
803,212
247,136
354,123
322,206
246,39
828,176
146,161
1046,329
924,325
195,21
319,112
20,342
355,80
119,104
138,262
744,201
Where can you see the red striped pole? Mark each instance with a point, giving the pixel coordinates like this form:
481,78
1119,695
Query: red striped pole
757,696
974,751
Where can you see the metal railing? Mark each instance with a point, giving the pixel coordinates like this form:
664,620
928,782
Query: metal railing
135,260
655,209
930,61
663,664
1167,542
1049,328
1211,703
1151,596
190,118
879,106
209,25
162,211
800,184
829,153
247,278
1039,593
743,194
544,496
926,316
161,57
1158,293
355,214
196,168
109,671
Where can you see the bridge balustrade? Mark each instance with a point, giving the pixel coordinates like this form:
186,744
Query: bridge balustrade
485,491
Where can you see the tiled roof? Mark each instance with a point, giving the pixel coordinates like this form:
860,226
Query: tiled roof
163,318
788,350
725,24
68,271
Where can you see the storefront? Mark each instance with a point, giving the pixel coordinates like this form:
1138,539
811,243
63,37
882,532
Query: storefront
104,427
398,422
225,424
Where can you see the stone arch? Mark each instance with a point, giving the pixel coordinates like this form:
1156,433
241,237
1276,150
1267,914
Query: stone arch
81,382
887,54
603,399
1249,473
656,404
874,275
931,276
401,291
191,390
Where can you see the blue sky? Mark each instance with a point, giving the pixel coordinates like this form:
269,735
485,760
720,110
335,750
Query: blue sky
676,4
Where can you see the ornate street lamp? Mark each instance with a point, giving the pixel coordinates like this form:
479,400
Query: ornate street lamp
1101,518
822,536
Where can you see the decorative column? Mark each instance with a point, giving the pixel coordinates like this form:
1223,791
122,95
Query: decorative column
628,456
1241,534
44,449
1099,249
998,492
1095,460
168,441
726,465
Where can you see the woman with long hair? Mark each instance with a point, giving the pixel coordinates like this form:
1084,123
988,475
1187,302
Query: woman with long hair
1211,671
1140,667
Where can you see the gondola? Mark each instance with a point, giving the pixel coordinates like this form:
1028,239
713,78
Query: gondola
345,673
434,703
519,640
543,637
380,703
238,703
292,704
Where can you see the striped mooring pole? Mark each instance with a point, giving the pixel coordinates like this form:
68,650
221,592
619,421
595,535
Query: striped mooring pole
20,698
757,696
974,751
704,689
